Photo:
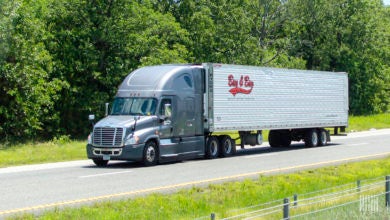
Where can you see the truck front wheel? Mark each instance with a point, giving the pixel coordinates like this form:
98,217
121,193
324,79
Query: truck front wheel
100,162
212,147
150,157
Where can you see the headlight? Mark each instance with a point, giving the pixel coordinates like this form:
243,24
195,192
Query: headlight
132,140
90,138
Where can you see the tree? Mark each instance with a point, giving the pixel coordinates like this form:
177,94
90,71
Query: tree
96,44
239,31
27,94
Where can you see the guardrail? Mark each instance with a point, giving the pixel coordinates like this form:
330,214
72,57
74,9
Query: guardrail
367,199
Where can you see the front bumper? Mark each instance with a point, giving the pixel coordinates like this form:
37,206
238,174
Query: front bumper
129,152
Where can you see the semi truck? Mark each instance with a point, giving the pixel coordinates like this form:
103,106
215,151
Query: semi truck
177,112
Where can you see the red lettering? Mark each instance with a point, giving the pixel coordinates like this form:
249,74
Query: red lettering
245,85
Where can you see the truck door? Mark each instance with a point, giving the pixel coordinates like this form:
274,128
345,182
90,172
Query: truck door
188,118
168,145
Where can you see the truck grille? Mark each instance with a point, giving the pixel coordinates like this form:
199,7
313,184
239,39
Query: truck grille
107,137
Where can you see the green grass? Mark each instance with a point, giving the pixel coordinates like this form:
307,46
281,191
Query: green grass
374,209
361,123
33,153
223,199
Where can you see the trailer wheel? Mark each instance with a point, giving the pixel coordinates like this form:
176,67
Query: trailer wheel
100,162
274,139
285,140
323,141
150,157
228,146
259,138
311,138
212,147
279,138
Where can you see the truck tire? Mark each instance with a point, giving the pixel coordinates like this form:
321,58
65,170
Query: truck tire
274,139
285,140
100,162
227,146
322,136
311,138
212,147
279,138
151,155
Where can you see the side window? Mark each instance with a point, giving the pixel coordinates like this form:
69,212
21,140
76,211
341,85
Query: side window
184,81
188,80
162,106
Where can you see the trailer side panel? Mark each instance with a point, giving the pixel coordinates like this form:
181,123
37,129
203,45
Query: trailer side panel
257,98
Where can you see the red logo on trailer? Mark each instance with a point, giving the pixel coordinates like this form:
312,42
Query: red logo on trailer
244,85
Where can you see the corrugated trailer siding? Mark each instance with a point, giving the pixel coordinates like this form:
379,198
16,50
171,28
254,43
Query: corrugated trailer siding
279,99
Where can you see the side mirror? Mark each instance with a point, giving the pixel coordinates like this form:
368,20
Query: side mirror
107,104
136,118
91,118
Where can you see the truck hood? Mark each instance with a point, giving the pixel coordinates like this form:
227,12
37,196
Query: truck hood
116,121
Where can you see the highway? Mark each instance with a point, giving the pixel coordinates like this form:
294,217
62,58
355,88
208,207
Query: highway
35,188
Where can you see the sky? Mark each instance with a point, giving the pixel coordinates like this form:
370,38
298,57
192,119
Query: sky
386,2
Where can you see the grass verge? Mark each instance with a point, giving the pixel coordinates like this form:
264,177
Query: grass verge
222,199
34,153
63,149
362,123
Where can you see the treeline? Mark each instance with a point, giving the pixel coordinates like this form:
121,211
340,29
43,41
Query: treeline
60,60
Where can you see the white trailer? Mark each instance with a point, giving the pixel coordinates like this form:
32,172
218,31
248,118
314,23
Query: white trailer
292,104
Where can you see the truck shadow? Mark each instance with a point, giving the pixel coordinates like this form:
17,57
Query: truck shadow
116,165
255,150
297,146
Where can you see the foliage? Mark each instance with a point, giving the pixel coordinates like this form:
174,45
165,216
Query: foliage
98,44
27,93
61,60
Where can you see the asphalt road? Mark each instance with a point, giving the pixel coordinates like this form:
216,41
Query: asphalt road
37,187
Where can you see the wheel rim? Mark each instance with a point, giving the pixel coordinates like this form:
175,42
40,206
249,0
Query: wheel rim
227,146
150,154
314,138
214,148
259,139
323,138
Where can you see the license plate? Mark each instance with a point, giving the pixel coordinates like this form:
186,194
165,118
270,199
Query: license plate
106,157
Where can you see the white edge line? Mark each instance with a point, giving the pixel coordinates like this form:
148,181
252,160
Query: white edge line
105,174
261,155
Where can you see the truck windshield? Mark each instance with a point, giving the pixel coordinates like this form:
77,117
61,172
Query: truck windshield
134,106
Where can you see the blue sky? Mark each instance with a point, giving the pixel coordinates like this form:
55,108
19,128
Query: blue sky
387,2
